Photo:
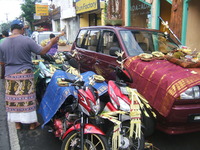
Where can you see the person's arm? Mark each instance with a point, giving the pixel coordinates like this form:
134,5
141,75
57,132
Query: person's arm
49,45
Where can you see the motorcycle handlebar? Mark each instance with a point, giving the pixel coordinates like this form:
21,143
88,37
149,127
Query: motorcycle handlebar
75,82
68,80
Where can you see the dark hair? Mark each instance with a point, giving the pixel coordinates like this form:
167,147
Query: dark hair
5,33
16,26
52,35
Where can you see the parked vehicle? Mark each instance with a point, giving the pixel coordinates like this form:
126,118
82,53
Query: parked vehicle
38,37
43,37
129,113
167,87
45,68
68,109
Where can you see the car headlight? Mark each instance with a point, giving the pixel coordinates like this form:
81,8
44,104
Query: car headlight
191,93
123,105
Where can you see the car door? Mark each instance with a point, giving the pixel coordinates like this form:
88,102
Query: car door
86,45
105,62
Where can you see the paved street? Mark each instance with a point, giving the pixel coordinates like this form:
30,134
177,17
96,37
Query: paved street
24,139
4,136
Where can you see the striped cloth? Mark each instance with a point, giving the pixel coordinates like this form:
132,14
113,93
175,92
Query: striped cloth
20,92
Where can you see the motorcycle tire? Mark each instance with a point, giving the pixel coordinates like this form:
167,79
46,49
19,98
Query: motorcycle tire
40,88
92,141
128,144
149,124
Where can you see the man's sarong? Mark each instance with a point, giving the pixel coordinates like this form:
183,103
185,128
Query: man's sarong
20,92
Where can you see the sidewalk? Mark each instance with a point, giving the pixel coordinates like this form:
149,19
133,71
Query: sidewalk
8,135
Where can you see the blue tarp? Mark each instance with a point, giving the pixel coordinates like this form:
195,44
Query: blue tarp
55,95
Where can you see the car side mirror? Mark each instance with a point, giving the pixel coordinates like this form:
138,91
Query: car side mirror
113,51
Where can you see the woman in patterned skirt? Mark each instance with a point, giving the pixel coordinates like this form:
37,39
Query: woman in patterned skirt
15,53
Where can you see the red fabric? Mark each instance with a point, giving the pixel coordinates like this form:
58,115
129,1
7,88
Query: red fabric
160,81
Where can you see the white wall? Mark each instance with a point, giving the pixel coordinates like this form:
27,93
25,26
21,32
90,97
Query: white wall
68,20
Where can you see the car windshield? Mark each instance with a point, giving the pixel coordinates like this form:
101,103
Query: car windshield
137,42
42,37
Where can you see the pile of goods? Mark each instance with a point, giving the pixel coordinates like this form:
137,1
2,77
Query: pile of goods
36,62
59,58
152,56
183,56
62,42
44,42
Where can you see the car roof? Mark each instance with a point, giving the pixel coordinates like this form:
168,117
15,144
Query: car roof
119,28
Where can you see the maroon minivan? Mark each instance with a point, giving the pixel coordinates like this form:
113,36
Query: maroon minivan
171,90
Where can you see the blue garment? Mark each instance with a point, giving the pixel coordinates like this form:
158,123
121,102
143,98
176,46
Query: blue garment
55,95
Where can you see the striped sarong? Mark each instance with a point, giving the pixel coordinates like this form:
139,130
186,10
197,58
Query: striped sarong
20,92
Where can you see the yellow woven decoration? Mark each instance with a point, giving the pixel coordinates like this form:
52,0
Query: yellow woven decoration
73,71
116,138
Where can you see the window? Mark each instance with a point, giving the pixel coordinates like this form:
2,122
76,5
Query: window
80,38
130,43
109,41
92,40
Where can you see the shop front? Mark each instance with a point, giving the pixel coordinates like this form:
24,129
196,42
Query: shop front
140,14
89,12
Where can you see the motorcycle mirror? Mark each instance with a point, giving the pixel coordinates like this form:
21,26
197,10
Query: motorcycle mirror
124,75
74,63
68,56
119,58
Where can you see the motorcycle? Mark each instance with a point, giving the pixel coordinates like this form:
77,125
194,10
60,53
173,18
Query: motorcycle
45,69
69,103
127,110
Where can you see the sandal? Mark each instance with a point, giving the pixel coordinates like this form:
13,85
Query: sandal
18,125
34,125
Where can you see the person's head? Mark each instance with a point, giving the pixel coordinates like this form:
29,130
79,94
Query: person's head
52,36
5,33
17,25
26,25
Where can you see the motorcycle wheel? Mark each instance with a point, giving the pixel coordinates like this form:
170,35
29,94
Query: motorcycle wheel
128,144
149,124
92,142
40,89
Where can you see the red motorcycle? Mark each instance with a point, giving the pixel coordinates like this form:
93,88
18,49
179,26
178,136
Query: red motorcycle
128,111
69,115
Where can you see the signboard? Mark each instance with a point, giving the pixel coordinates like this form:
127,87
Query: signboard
86,5
55,13
41,10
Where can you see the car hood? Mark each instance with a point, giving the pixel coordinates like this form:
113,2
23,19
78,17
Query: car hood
161,81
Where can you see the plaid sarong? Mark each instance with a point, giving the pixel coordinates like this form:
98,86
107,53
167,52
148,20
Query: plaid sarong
20,92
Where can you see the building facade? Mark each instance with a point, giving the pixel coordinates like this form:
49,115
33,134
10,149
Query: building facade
181,15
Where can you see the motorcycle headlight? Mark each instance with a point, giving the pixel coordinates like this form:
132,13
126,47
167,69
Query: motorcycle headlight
95,108
191,93
123,105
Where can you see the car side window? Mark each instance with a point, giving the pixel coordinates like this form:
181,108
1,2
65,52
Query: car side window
109,41
81,37
92,39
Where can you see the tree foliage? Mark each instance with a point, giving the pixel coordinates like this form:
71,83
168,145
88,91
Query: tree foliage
5,26
28,10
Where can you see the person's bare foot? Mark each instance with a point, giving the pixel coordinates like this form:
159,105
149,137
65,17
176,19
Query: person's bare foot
18,125
34,125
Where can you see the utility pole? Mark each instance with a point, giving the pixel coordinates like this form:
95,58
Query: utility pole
6,17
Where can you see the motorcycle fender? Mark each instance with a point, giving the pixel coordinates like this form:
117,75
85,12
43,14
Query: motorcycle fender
89,129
